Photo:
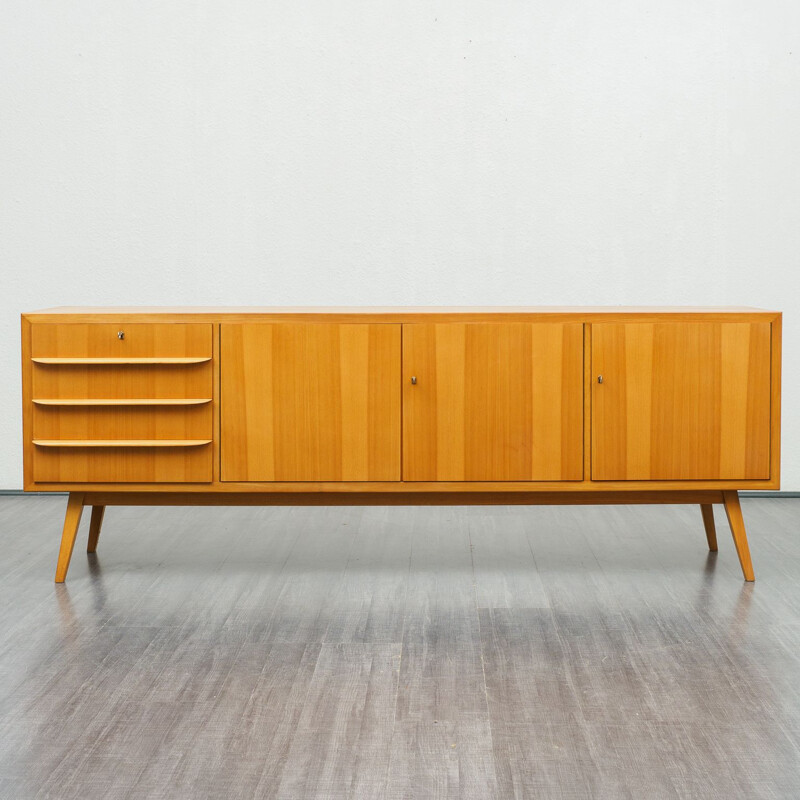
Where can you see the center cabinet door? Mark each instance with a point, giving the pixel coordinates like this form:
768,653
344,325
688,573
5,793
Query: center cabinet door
493,402
310,402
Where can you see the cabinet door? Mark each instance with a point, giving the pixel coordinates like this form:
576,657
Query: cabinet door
492,402
681,401
310,402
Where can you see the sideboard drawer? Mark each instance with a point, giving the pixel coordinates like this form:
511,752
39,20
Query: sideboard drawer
96,462
141,340
136,420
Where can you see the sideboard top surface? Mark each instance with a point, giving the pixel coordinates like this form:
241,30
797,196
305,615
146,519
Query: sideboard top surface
395,313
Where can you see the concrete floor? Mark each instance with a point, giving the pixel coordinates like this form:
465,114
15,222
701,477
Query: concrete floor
428,653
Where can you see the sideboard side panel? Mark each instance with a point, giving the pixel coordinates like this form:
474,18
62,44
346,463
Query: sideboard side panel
775,402
27,404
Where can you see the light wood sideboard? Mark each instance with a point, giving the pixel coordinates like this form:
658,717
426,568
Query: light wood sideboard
324,406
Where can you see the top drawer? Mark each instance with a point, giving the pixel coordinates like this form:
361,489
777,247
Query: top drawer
123,341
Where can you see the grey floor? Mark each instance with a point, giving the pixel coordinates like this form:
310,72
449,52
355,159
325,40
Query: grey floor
400,653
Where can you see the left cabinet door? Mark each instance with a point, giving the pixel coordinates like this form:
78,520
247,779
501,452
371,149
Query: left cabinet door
310,402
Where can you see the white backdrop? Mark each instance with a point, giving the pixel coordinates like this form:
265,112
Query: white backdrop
438,152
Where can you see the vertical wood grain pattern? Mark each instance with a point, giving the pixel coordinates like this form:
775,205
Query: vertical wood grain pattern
27,403
587,402
121,381
657,411
776,342
681,401
493,401
215,406
310,402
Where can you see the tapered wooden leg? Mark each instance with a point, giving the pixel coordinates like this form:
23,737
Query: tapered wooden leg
71,522
95,524
708,521
736,521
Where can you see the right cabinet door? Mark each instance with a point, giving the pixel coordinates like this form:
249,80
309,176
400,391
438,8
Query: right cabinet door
681,401
493,402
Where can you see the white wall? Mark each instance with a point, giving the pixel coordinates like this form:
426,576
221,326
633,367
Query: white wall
444,152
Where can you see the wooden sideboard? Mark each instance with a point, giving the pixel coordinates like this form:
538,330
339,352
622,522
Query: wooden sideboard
349,406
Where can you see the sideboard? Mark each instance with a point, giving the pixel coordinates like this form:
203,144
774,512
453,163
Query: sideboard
127,406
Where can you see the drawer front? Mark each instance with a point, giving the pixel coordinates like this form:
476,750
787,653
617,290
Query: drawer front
89,382
121,340
128,464
121,422
121,403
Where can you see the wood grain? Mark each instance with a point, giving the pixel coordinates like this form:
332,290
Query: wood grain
681,401
151,462
120,442
367,496
165,340
138,418
493,402
27,405
84,385
106,401
588,488
127,382
122,422
310,402
776,344
118,360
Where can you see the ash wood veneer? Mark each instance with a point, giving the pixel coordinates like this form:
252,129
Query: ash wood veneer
310,402
401,406
493,401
